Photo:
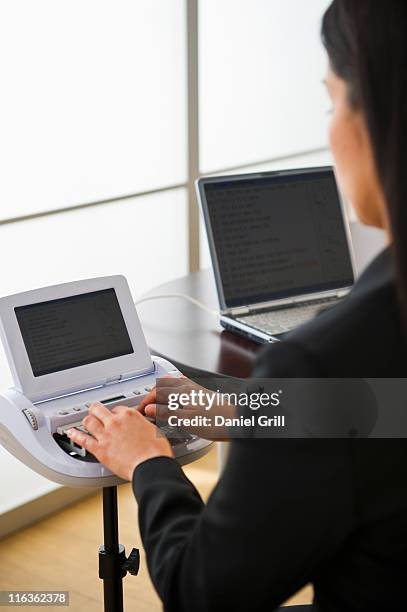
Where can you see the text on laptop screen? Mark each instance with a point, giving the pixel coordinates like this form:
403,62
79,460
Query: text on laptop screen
73,331
278,236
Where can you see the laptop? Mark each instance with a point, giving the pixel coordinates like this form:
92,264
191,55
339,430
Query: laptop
280,248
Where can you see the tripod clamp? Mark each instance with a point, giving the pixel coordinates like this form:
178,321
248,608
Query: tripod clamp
132,563
115,565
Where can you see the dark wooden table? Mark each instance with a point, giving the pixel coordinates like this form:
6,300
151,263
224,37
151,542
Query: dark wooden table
190,337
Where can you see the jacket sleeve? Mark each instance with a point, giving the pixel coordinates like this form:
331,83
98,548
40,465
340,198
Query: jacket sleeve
269,525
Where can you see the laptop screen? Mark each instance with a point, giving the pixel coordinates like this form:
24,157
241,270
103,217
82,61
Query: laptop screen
276,236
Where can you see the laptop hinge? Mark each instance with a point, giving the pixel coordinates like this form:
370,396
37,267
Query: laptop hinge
274,303
240,310
299,299
342,292
244,310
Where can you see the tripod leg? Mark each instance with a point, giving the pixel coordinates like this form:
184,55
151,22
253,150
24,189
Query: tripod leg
112,554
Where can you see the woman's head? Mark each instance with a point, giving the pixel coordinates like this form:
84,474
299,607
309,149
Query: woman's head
366,41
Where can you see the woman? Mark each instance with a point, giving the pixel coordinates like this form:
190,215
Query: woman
289,512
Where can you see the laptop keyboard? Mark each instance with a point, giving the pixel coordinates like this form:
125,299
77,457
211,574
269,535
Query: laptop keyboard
282,320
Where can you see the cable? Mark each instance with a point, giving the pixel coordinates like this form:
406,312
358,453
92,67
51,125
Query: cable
183,296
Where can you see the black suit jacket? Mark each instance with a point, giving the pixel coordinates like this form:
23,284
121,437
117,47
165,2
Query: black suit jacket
289,512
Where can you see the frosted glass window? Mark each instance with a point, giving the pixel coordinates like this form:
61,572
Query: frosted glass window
306,160
93,100
261,67
118,238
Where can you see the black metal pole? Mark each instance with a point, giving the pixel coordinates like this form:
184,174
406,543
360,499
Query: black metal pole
111,554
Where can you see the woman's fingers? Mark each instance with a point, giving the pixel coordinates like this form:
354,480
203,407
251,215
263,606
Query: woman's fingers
150,398
84,440
93,426
151,411
166,385
100,412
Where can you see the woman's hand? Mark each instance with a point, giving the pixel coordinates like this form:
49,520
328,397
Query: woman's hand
121,439
156,405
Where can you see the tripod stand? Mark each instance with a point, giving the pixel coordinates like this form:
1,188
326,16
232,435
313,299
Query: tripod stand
113,563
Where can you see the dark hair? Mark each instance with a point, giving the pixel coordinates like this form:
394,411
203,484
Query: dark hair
366,42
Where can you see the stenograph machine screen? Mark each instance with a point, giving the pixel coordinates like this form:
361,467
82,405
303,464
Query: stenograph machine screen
73,331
